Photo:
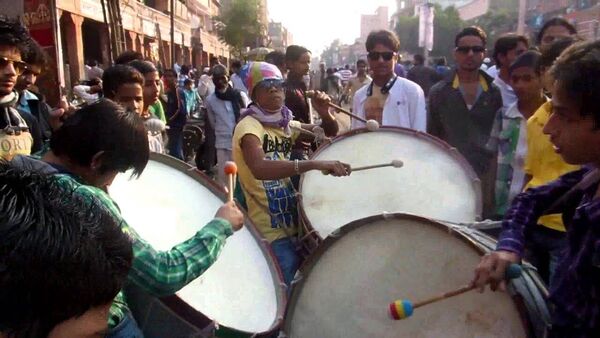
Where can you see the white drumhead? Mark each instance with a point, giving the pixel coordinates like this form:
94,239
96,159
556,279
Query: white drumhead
166,207
345,288
434,182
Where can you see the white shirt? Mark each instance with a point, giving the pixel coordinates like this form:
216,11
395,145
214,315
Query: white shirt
221,116
238,84
508,94
83,92
404,106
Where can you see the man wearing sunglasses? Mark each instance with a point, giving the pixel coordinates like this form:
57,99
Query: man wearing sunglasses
19,132
462,108
389,99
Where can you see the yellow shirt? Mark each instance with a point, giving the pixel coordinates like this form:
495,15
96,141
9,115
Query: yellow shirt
542,163
276,196
374,104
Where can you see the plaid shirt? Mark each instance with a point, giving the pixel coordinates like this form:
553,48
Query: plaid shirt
160,273
509,140
576,289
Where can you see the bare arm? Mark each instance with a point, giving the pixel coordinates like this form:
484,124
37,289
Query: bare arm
263,169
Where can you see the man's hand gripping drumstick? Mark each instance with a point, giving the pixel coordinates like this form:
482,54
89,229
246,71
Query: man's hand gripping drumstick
394,163
372,125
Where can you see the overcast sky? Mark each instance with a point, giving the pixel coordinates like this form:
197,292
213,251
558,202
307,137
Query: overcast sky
316,23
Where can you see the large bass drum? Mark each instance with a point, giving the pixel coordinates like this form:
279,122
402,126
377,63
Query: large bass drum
241,294
344,288
435,181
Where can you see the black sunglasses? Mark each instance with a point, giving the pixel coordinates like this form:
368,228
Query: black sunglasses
271,83
19,66
466,49
374,56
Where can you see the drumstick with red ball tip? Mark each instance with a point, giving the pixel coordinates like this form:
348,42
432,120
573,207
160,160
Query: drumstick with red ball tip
230,170
372,125
404,308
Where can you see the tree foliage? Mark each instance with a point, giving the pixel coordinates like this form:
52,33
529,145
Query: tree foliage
237,25
496,23
446,24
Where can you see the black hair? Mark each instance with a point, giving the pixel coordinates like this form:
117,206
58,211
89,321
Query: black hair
528,59
294,52
13,34
471,31
554,50
36,56
577,70
441,61
103,126
330,71
144,67
276,58
236,64
556,21
418,58
218,70
61,254
506,43
187,82
117,75
361,61
128,56
185,69
384,37
170,70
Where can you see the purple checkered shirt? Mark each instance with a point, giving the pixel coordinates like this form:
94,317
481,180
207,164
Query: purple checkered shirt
576,288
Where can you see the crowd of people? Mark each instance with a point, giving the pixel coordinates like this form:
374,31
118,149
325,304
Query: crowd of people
530,131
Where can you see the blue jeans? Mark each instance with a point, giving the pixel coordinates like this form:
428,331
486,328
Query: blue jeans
175,142
287,257
544,248
127,328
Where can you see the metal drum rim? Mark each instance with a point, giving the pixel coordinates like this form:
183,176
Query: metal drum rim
441,144
182,308
312,260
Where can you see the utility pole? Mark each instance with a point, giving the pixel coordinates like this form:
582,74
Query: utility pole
172,33
521,20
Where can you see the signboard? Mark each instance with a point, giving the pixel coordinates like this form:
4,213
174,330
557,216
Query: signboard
40,19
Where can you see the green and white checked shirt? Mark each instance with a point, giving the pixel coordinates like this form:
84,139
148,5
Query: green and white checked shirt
160,273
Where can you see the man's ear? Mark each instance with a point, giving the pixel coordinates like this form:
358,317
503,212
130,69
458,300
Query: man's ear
97,162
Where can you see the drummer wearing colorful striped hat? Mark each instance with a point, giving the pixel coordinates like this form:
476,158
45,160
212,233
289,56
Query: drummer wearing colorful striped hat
262,143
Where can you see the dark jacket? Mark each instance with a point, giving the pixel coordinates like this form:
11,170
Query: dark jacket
467,130
41,111
424,76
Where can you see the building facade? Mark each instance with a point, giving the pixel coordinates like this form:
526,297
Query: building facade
82,32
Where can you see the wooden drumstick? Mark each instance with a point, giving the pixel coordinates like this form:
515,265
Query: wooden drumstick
394,163
230,170
401,309
303,131
371,124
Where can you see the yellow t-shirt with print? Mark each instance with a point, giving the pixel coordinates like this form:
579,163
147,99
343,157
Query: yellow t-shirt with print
276,196
542,163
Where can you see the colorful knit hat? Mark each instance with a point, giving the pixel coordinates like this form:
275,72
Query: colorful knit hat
254,72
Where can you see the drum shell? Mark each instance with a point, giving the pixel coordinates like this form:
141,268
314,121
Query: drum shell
458,162
172,316
527,292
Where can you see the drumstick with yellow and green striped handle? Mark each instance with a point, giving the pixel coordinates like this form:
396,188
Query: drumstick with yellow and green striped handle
404,308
